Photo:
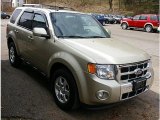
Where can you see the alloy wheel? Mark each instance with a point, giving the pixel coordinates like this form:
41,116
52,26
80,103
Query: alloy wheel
62,90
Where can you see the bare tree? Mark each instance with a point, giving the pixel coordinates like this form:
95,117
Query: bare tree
110,5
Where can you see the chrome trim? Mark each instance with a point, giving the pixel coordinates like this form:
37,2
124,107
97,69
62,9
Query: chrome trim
134,95
129,72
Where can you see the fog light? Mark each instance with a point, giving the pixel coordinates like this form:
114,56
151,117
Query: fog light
102,95
148,75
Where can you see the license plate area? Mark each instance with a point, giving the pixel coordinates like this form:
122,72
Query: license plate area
139,84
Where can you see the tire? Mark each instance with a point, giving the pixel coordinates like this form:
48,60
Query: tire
107,22
64,90
124,26
148,28
7,17
15,61
103,23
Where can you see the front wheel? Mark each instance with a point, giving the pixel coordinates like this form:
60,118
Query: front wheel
103,23
124,26
64,89
13,57
8,17
148,28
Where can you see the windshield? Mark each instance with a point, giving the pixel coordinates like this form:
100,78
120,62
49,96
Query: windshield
75,25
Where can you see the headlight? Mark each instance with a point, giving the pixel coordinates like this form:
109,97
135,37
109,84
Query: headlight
102,71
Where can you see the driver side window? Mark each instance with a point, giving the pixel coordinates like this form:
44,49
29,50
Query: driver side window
136,17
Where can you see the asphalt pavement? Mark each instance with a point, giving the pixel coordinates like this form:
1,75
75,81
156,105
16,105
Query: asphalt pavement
25,93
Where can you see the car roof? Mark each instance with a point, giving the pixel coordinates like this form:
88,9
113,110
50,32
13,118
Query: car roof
148,14
47,10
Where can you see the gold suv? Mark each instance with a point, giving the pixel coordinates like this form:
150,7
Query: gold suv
83,63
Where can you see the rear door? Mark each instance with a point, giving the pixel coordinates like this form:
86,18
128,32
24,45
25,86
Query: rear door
25,32
12,28
142,21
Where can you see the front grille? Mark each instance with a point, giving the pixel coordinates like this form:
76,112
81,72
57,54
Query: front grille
129,71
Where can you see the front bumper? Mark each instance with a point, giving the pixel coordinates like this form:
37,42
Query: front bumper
116,91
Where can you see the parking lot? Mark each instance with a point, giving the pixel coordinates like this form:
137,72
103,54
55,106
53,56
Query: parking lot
26,95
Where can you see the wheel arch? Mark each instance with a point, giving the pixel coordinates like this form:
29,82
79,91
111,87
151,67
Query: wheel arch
70,63
125,22
11,39
148,24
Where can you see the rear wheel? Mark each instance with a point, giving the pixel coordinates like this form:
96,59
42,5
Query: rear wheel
14,59
64,89
148,28
107,22
124,26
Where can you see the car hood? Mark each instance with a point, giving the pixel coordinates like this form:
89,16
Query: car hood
108,50
127,19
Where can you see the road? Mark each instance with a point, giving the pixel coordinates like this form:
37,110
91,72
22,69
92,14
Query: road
25,92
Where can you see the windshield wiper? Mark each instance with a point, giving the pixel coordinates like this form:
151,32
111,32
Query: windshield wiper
70,36
95,37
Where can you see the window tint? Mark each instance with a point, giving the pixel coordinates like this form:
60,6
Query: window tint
143,17
26,20
39,21
15,15
136,17
154,17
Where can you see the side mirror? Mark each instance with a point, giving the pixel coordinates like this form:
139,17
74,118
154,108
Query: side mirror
40,32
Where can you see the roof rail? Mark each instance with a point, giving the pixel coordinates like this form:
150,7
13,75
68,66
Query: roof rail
48,6
56,7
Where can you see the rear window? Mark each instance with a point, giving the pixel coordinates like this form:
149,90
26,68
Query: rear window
143,17
26,20
15,15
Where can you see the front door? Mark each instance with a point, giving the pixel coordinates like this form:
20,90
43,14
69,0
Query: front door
38,47
135,21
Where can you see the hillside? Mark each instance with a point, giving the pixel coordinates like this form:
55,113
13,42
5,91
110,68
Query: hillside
128,7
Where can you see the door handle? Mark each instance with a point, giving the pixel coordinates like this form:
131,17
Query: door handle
30,37
16,31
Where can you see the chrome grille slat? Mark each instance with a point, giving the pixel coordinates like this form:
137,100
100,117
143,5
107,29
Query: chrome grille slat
133,72
127,72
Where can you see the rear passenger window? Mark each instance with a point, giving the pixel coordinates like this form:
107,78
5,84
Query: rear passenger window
15,15
26,20
143,18
154,17
39,21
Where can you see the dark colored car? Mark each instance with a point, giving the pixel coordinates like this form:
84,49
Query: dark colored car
4,15
101,18
149,22
118,18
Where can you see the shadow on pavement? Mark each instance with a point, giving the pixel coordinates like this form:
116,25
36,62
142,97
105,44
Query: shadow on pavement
26,94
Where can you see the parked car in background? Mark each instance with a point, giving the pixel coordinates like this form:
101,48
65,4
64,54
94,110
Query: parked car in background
101,18
149,22
109,19
118,18
4,15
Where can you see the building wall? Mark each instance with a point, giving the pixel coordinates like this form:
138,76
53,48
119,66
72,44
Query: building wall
17,3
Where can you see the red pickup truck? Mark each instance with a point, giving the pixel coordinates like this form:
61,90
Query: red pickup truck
149,22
